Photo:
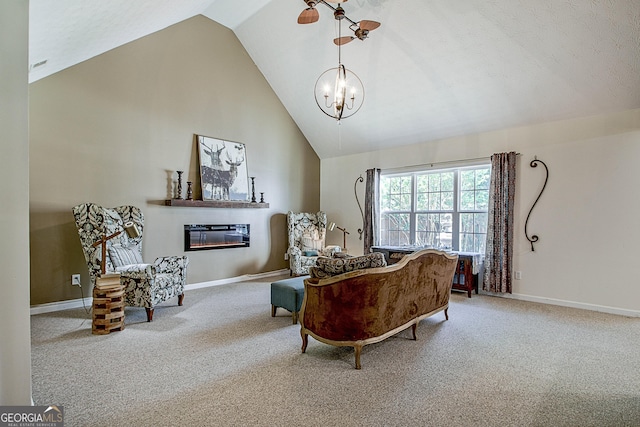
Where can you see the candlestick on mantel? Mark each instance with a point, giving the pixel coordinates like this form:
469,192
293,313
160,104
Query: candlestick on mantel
179,191
253,189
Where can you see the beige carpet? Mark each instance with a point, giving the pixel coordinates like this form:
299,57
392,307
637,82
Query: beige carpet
222,360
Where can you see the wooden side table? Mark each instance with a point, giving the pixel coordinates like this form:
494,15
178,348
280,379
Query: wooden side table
108,305
464,279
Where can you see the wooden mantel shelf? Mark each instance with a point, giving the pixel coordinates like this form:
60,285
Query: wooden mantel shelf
214,203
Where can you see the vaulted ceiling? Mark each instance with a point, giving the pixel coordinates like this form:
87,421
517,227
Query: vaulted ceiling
434,69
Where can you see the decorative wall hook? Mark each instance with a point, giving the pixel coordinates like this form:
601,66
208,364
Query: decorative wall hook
533,164
355,184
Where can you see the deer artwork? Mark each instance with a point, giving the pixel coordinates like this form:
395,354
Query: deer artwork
210,173
227,177
215,176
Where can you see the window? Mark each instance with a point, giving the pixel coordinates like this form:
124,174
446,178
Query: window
444,209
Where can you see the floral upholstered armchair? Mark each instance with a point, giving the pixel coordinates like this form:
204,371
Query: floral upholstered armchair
145,285
307,232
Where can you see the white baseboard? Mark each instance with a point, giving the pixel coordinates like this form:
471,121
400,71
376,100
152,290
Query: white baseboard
244,278
88,301
571,304
61,305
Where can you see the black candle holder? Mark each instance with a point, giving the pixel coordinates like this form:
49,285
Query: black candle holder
189,190
179,190
261,197
253,189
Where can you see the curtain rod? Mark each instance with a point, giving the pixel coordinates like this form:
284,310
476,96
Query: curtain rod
460,162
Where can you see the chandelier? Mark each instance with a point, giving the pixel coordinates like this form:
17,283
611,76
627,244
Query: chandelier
339,92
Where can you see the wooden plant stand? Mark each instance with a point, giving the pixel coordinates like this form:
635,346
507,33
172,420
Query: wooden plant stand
108,310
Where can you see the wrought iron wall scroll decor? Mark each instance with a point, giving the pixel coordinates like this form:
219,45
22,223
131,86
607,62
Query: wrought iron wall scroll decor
533,164
355,184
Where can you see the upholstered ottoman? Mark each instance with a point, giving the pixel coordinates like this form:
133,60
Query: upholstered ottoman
288,293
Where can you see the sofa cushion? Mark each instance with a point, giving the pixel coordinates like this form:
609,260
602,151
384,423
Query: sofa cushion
121,256
327,267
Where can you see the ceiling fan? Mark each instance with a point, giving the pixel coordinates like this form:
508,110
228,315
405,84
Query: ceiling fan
360,29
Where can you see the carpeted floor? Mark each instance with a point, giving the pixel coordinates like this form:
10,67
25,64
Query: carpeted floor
222,360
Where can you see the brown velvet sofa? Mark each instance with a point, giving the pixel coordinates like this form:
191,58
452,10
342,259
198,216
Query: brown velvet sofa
367,306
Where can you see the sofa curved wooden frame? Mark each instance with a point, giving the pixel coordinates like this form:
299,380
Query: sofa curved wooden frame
367,306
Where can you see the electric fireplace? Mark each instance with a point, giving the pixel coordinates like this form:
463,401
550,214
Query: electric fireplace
199,237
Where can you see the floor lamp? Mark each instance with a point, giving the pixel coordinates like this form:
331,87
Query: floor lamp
333,226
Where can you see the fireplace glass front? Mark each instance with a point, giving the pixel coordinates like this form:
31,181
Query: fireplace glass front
198,237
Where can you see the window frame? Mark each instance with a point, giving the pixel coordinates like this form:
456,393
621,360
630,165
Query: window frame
455,211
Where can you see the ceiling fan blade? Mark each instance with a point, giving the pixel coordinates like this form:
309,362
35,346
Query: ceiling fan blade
336,1
343,40
308,16
368,25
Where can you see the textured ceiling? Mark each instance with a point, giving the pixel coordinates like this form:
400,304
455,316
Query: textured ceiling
434,69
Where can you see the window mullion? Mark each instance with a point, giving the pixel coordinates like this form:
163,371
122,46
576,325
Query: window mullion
455,217
414,205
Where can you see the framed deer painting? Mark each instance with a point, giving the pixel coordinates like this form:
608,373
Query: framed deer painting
223,169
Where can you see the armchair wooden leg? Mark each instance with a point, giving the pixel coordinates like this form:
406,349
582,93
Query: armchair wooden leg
305,341
446,313
273,310
149,314
180,299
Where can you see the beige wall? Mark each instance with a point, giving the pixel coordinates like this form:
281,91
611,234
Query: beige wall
587,218
114,129
15,334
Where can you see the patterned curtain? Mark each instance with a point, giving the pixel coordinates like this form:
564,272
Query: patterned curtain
499,249
371,209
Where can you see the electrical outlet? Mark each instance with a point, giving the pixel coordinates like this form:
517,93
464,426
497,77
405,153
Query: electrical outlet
518,275
75,280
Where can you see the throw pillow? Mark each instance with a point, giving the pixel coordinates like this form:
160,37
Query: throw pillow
121,256
317,273
326,267
310,253
341,255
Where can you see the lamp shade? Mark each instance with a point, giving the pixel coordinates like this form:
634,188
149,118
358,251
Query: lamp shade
131,229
